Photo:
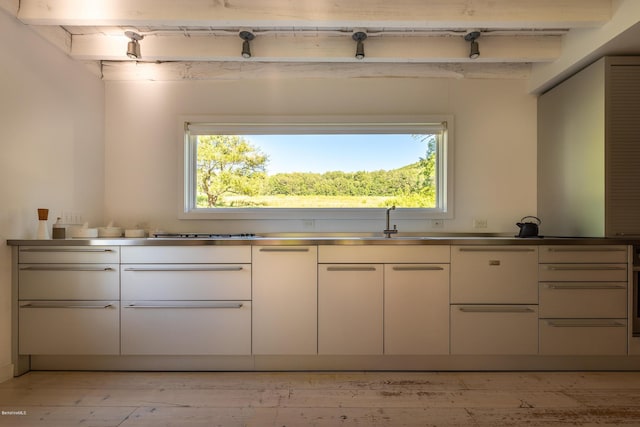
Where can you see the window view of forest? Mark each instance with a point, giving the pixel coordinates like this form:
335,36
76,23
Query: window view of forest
234,171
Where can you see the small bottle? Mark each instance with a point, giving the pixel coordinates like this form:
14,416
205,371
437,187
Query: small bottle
43,230
58,229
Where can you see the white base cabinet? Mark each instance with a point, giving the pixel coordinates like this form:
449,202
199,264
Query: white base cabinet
285,300
494,329
583,300
183,307
69,327
416,309
350,309
186,327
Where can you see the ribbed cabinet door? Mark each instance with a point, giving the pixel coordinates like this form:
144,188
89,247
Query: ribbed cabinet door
285,287
622,157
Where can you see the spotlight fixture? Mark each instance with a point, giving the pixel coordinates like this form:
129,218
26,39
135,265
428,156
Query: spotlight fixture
247,36
472,37
359,36
133,47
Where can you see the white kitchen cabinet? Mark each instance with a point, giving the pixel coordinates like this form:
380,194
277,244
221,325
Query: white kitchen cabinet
186,327
350,309
583,300
285,300
68,300
416,308
186,281
494,329
198,304
494,275
69,327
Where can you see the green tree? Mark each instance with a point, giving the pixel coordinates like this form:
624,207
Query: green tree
228,165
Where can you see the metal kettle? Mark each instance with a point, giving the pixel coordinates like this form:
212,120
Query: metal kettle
528,229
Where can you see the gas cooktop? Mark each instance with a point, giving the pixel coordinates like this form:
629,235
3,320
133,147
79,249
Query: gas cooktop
202,236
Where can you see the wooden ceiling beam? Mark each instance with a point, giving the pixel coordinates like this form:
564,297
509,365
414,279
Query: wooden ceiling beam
187,71
423,14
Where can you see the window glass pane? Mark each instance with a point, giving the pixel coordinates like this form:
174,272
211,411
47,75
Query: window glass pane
346,170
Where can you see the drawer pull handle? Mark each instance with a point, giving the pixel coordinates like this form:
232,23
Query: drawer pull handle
284,249
577,286
495,309
66,305
585,268
418,268
587,249
66,250
585,324
215,305
62,268
351,269
497,249
238,268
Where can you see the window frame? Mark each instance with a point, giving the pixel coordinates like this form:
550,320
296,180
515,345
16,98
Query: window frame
239,125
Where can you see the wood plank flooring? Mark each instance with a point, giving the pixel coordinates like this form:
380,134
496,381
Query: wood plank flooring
291,399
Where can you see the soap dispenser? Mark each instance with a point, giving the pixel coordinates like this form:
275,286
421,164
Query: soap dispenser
58,230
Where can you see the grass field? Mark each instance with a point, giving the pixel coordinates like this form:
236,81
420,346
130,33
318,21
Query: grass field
305,201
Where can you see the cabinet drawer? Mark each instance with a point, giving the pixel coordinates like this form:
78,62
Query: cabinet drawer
588,254
186,254
494,275
186,328
69,281
186,281
384,254
69,327
494,329
583,300
69,254
583,336
583,272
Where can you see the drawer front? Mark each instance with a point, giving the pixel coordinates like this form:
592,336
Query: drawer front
69,281
494,329
69,254
583,336
588,254
384,254
583,272
583,300
186,281
186,328
494,275
186,254
69,327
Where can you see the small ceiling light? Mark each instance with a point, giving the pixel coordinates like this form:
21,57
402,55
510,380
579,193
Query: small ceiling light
247,36
472,37
133,47
359,36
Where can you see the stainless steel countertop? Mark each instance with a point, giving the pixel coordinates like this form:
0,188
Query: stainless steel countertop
287,239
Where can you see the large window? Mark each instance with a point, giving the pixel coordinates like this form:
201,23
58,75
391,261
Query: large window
315,170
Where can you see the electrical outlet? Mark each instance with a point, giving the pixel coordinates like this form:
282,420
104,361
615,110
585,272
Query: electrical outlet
437,223
480,223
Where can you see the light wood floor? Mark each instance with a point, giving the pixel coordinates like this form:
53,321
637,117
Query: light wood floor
370,399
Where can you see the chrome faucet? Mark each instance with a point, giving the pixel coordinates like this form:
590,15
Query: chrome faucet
388,231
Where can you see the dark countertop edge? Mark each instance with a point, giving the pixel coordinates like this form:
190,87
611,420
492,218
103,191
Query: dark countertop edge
285,241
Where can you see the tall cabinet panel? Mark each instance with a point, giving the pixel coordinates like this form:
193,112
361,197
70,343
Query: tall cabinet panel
588,155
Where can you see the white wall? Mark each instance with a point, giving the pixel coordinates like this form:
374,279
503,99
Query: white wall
495,147
52,142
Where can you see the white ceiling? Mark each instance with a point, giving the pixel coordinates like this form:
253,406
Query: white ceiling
198,39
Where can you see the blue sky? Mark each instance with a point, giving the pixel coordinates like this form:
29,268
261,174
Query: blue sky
347,153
